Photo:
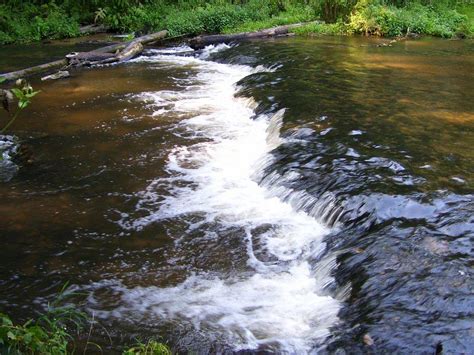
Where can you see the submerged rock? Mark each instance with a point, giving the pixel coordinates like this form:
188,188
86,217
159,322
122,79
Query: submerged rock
8,149
368,340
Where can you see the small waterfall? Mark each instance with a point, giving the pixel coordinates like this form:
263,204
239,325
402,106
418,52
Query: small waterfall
323,208
273,130
277,305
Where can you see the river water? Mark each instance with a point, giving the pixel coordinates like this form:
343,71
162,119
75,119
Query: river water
280,196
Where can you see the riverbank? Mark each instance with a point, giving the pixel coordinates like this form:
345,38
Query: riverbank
28,22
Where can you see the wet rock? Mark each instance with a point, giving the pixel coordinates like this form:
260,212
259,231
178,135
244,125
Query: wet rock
23,155
6,97
413,35
435,246
8,149
368,340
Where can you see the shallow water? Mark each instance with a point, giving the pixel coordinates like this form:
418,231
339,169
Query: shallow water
289,195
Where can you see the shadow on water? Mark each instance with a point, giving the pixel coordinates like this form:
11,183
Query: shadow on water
376,143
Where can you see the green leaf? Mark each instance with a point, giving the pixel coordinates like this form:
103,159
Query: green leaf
5,320
27,338
11,336
32,94
23,103
17,92
38,332
2,79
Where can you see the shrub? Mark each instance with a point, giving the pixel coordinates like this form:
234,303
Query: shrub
46,335
372,18
332,10
26,23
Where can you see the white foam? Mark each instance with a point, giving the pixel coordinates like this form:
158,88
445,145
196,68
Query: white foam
281,304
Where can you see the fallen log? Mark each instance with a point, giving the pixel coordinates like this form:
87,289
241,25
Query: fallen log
92,29
127,50
132,50
58,75
202,41
34,70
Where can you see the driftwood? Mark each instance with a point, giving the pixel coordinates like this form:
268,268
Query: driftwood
202,41
58,75
119,52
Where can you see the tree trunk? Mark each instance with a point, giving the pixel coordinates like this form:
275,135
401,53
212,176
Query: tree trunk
202,41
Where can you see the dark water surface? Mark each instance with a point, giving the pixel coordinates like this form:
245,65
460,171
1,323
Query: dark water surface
335,205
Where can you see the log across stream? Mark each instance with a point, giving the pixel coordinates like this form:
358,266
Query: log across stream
122,52
113,53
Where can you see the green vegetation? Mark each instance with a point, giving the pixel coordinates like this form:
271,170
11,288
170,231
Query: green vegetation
399,18
46,335
468,11
50,333
27,21
53,332
23,93
371,17
151,347
33,20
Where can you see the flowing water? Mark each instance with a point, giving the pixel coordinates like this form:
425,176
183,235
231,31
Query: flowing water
281,196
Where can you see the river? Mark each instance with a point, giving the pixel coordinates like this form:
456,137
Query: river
298,195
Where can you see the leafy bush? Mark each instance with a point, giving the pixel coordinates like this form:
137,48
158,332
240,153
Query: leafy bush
184,19
370,17
292,14
26,23
46,335
332,10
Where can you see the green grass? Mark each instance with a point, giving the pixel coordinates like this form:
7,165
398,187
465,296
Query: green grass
50,333
54,332
337,28
151,347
